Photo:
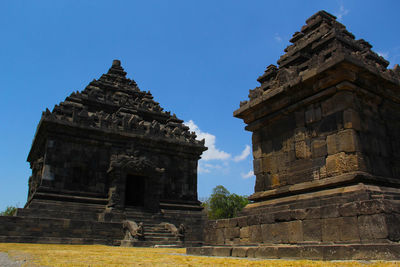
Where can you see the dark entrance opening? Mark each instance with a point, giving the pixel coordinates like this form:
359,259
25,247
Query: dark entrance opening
134,194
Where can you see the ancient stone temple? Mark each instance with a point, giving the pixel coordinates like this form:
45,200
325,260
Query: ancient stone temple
107,155
325,125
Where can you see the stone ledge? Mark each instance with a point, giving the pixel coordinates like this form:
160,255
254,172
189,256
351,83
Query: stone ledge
312,252
353,177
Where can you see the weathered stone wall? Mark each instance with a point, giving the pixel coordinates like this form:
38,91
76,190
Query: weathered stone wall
339,216
352,130
79,165
56,230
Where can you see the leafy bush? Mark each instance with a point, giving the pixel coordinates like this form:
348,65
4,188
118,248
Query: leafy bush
9,211
222,204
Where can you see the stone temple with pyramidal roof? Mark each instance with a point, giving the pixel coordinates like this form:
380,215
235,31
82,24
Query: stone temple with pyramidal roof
325,129
109,166
104,161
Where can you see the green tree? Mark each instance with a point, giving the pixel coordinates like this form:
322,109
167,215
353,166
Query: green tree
9,211
222,204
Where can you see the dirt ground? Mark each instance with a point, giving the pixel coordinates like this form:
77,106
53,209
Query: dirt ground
97,255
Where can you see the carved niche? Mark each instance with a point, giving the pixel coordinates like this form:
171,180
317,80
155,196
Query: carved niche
122,168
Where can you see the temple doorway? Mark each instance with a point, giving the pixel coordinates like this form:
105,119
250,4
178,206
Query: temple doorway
135,190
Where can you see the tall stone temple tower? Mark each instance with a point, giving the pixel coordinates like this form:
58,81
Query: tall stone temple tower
325,129
105,160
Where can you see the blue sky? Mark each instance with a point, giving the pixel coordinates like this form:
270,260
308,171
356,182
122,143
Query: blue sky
198,58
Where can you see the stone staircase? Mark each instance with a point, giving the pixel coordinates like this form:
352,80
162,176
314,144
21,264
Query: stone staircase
155,232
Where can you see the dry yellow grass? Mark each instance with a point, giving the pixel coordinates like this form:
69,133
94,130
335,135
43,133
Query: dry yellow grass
97,255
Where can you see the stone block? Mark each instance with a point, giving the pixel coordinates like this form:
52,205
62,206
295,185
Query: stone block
267,218
265,232
251,252
318,148
331,229
312,252
295,231
231,233
242,221
210,235
282,216
255,234
300,134
351,119
298,214
349,229
257,166
257,150
260,184
312,230
330,211
343,141
302,150
372,227
222,251
279,232
341,163
349,209
339,102
313,213
289,252
222,223
393,226
269,163
244,232
219,236
253,220
233,222
239,252
266,252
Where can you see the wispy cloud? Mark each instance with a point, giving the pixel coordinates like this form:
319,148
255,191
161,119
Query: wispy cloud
383,54
244,155
277,38
212,153
223,168
342,12
247,175
201,169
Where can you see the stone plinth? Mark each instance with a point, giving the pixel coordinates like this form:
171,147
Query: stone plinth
325,126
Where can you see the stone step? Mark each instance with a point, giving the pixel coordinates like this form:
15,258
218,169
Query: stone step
167,234
169,246
146,243
160,238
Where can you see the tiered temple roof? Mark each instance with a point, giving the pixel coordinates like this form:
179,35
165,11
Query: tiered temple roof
115,104
321,43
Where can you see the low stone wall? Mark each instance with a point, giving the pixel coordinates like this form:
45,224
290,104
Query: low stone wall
311,252
47,230
330,219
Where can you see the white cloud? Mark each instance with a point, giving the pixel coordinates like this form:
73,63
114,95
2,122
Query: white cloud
247,175
342,12
278,38
384,54
244,155
212,153
200,169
